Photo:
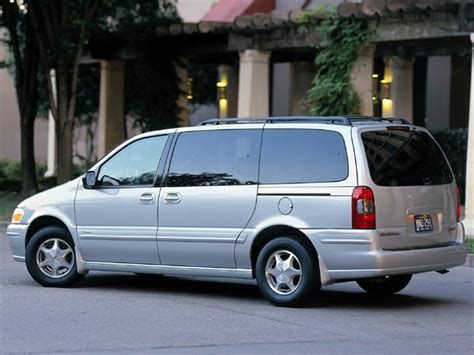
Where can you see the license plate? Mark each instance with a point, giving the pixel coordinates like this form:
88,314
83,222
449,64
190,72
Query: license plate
423,223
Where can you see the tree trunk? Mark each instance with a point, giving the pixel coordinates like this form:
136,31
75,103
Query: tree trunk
64,124
28,167
26,85
64,152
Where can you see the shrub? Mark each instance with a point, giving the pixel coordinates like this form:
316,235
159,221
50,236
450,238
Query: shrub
13,185
10,169
454,144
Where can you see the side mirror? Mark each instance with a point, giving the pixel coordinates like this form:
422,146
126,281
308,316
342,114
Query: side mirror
88,180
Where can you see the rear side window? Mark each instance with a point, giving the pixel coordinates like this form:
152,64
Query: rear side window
214,158
299,156
398,158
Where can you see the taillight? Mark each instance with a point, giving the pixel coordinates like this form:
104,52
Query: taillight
458,205
363,208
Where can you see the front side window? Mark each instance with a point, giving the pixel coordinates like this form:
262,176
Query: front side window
134,165
213,158
302,156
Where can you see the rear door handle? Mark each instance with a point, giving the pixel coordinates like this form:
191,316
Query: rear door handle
147,198
172,197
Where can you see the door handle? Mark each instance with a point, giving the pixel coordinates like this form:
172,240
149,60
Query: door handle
147,198
173,197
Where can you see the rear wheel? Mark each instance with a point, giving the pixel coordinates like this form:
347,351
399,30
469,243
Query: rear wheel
50,258
287,273
386,285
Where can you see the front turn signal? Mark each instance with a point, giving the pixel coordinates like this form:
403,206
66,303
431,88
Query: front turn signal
17,215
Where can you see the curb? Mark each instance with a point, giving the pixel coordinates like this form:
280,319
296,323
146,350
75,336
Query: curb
469,260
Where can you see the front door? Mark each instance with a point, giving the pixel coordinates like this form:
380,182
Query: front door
208,197
117,220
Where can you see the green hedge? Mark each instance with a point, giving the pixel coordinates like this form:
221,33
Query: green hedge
14,185
454,144
10,176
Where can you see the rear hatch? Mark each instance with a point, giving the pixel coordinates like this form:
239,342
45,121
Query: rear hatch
414,188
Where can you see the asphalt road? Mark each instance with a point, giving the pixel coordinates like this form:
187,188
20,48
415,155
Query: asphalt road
113,313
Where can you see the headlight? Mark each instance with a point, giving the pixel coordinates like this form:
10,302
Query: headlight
17,215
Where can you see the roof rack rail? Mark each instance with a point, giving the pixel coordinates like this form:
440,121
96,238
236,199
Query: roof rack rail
342,120
378,119
330,120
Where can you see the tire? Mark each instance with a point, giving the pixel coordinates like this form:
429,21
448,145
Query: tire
287,288
385,286
52,247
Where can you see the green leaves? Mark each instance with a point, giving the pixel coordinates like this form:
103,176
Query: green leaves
332,92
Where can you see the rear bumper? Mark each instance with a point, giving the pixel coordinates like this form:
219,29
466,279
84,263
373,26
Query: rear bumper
353,254
16,239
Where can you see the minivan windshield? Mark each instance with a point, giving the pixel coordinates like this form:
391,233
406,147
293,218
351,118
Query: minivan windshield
405,158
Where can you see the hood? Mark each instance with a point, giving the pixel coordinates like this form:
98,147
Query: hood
57,195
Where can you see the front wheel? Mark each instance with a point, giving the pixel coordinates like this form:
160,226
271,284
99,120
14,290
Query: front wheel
50,258
384,286
287,272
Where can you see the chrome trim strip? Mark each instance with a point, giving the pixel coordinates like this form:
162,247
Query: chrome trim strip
195,239
345,241
116,237
291,194
170,269
14,234
19,258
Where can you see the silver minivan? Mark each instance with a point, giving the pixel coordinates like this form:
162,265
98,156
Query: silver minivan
293,202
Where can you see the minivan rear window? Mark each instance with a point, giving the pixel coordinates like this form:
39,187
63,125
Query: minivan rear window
405,158
302,156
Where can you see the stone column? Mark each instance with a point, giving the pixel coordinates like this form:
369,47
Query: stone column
254,84
111,116
52,154
361,78
402,87
182,71
469,204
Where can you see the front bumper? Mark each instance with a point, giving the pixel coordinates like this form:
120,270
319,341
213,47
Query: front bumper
16,234
354,254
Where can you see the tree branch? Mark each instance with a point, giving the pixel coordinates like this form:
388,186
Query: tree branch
44,58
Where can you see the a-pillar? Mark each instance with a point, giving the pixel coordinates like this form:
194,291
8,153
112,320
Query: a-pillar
254,83
361,77
111,116
469,204
182,73
399,77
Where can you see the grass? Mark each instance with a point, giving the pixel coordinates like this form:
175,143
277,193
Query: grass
470,245
8,201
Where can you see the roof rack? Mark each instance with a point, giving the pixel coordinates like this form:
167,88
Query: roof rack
378,119
330,120
342,120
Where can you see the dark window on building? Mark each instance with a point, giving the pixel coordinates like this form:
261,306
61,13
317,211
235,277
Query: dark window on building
134,165
296,155
398,158
213,158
